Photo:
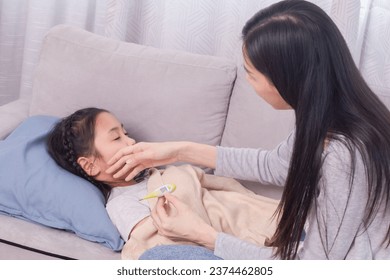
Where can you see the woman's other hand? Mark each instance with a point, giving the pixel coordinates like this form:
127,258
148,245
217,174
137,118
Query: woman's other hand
133,159
175,220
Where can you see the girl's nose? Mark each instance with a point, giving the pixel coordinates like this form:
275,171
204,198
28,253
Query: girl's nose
130,142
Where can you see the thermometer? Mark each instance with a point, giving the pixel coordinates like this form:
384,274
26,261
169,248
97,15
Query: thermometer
160,191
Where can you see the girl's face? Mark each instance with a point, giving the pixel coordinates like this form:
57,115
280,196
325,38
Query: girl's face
110,137
263,87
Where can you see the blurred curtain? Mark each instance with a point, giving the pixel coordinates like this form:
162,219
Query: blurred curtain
198,26
374,41
23,24
204,26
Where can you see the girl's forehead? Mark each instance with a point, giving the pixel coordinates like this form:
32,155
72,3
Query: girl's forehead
106,118
106,121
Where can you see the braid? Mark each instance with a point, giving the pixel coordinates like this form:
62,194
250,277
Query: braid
68,135
67,142
71,138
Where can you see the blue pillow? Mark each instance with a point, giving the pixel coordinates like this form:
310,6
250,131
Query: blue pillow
35,188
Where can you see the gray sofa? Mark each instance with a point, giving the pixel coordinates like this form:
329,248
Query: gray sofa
159,95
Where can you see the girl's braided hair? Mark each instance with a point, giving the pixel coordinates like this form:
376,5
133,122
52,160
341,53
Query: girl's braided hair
72,137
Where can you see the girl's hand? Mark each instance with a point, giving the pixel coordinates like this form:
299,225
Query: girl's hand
133,159
175,220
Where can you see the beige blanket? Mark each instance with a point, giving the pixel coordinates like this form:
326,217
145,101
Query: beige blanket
221,202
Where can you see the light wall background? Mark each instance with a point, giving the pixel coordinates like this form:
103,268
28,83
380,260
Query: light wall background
198,26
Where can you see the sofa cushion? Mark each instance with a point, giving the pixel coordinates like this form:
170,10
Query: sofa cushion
80,69
35,188
252,122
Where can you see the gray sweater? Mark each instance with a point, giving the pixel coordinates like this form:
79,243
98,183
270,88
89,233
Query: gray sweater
334,228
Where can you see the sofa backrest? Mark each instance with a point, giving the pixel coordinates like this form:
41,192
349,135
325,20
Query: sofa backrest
158,94
252,122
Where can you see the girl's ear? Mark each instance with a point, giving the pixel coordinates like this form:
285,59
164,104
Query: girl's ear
89,166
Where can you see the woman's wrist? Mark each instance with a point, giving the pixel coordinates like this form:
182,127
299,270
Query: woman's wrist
200,154
206,236
183,151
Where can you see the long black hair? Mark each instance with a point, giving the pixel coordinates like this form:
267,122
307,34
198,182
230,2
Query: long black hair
300,50
73,137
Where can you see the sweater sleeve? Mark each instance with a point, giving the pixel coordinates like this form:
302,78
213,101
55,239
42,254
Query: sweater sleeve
229,247
335,223
258,165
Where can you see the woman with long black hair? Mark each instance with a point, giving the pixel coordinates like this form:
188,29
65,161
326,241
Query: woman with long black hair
335,165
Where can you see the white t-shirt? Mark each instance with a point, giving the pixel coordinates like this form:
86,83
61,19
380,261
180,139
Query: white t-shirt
125,208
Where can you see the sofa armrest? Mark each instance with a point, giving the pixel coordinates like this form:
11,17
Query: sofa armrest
12,114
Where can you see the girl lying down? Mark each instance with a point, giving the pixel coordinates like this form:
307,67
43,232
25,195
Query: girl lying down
83,143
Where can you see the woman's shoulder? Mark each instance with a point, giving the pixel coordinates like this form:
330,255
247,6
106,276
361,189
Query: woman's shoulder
342,150
343,178
342,160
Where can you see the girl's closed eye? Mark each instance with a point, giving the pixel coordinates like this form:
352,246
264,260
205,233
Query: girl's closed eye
116,137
